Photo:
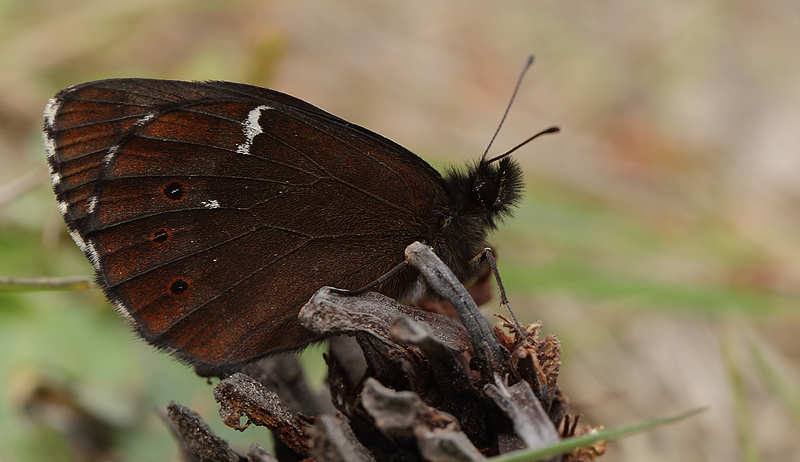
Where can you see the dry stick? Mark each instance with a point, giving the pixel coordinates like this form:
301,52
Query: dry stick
493,357
54,283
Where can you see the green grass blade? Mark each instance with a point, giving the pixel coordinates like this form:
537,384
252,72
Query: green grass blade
778,382
570,444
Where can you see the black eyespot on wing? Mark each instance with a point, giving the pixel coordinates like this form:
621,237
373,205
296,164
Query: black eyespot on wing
178,286
175,191
160,236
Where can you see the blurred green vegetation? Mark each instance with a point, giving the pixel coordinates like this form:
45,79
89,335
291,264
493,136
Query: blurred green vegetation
600,253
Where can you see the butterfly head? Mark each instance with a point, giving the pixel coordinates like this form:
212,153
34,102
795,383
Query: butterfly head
485,191
497,183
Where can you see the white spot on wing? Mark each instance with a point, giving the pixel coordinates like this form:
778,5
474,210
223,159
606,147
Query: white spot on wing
55,177
112,152
78,240
251,129
92,204
212,204
123,310
94,257
50,112
63,207
145,119
50,145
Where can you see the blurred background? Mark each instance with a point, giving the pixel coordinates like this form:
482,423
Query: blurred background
659,236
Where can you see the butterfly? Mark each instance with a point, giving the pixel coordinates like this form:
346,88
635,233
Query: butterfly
212,211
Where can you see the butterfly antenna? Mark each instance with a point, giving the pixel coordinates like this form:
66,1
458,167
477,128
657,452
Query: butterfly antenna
508,153
513,95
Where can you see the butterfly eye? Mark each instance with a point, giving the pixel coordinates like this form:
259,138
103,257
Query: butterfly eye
487,191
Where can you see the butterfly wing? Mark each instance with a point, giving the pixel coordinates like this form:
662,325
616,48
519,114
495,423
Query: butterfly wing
212,211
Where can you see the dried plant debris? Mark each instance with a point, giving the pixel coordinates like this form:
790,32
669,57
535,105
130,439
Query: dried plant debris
403,385
584,454
198,443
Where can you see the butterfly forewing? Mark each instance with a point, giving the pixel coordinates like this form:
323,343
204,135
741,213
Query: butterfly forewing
213,211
